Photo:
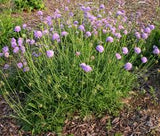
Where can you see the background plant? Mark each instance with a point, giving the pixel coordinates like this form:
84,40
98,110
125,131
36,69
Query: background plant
29,4
7,24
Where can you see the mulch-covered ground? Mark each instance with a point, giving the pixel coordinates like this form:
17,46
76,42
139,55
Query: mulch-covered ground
140,116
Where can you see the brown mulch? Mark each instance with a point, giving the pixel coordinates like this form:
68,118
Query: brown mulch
8,126
140,116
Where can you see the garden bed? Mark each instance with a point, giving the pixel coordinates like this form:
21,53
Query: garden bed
141,113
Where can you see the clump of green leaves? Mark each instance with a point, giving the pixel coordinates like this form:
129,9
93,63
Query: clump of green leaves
29,4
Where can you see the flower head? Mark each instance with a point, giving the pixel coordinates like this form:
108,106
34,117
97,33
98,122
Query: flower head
40,13
81,27
66,9
13,44
20,41
102,6
144,59
152,27
137,50
118,56
109,39
19,65
38,34
125,50
22,48
144,36
6,66
24,26
26,69
64,33
32,42
118,35
88,34
147,30
13,40
78,53
156,50
1,54
5,49
6,54
119,13
137,34
85,67
128,66
17,29
55,36
104,31
75,23
16,50
100,48
125,32
50,53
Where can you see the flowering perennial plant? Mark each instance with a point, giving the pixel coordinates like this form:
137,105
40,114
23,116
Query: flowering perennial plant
81,63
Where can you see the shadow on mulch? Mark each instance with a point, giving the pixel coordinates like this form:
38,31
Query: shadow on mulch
140,117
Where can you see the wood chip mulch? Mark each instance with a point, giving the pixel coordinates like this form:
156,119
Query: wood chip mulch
140,118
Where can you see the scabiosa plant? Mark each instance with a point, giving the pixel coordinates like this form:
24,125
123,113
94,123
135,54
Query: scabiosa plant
47,65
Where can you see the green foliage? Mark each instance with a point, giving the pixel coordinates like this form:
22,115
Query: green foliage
7,24
29,4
